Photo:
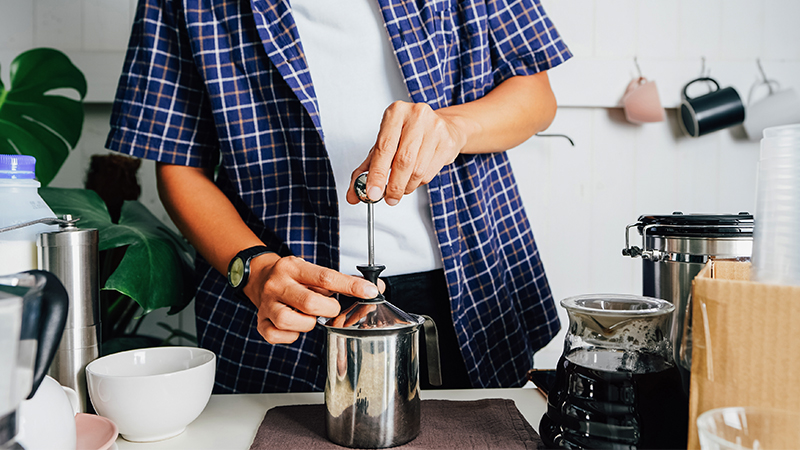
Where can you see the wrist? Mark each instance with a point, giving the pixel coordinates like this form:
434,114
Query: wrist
239,268
260,267
463,127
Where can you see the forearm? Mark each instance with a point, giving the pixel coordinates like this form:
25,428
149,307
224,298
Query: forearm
507,116
203,214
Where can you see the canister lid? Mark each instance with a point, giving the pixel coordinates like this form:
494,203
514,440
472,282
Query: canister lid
697,225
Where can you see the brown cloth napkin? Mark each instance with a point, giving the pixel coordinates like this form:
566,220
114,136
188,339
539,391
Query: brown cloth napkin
486,424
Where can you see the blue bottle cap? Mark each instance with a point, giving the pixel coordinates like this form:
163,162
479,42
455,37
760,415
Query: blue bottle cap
17,167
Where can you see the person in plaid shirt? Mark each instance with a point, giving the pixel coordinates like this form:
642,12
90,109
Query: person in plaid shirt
260,114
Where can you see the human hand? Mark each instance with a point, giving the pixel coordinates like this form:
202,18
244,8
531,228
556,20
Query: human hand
414,143
290,293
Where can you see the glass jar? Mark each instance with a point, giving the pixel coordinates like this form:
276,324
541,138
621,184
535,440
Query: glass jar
617,385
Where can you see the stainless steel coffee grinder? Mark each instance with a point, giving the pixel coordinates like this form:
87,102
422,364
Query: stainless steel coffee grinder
372,391
72,255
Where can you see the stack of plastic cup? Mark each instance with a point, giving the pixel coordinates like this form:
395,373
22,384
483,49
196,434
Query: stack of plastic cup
776,235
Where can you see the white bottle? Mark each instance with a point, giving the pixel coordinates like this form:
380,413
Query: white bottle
20,203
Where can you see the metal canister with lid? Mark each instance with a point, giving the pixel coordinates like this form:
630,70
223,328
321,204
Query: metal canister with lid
675,248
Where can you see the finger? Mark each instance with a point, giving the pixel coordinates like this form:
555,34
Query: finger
321,291
322,277
405,160
352,197
422,171
381,285
385,149
286,318
273,335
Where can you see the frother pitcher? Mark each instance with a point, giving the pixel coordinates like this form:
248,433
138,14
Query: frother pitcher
372,391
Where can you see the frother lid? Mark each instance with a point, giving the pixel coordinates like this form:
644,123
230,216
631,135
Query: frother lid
372,315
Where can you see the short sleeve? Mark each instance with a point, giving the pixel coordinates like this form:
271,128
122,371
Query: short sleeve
524,40
161,110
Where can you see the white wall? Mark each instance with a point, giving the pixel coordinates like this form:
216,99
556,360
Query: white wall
579,198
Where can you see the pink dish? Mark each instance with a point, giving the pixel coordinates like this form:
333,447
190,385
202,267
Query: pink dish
94,432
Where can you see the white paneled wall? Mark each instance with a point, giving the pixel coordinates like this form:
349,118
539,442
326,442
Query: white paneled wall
579,198
670,39
94,33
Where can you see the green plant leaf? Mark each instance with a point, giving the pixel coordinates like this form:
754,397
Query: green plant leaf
82,203
156,268
35,122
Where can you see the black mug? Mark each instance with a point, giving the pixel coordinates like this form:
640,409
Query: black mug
720,108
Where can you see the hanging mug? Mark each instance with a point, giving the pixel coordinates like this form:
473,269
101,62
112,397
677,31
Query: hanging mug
641,102
718,109
779,107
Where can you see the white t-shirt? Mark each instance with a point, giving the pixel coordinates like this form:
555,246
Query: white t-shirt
356,77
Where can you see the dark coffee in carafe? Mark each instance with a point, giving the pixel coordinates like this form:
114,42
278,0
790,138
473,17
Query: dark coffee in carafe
617,385
604,408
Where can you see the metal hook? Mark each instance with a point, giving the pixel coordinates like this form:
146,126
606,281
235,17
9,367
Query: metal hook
557,135
638,69
704,72
764,75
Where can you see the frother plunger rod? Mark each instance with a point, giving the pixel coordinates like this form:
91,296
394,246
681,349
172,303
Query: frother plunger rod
370,271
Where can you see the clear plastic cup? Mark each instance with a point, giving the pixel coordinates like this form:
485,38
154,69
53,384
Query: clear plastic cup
790,130
776,235
748,428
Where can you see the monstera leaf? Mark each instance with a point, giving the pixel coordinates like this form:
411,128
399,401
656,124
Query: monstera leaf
156,269
35,121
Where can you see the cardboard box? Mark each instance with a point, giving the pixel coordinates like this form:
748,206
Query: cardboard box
745,343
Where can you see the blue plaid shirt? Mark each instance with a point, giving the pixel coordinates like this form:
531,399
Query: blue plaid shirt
209,82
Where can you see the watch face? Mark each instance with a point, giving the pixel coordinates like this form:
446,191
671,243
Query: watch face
237,272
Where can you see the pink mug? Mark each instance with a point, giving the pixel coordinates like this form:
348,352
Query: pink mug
641,102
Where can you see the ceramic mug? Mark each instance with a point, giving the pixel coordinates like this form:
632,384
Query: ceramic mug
47,421
781,107
718,109
642,103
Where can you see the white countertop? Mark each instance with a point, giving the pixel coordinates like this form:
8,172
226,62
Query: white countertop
230,422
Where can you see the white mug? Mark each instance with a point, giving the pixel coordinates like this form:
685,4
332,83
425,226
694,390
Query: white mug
781,107
47,421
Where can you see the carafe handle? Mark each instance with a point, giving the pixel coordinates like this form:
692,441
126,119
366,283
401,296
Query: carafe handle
432,349
53,319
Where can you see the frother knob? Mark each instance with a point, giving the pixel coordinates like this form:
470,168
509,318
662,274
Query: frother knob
360,186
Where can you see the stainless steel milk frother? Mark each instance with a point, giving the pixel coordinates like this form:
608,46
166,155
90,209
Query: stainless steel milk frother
372,390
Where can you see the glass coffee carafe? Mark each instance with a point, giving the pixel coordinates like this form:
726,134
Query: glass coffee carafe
617,385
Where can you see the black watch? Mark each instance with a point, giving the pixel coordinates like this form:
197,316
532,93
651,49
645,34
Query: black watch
239,267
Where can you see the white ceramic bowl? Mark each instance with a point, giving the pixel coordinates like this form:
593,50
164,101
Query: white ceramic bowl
152,394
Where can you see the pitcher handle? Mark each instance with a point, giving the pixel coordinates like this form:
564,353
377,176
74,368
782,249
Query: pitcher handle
55,308
432,348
